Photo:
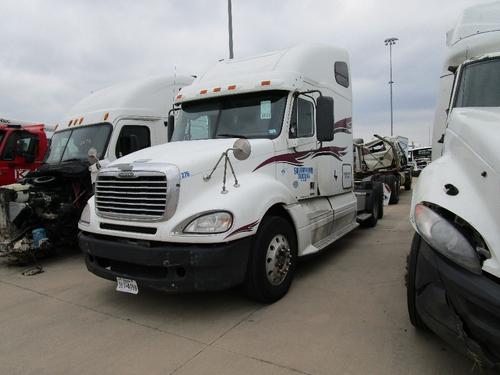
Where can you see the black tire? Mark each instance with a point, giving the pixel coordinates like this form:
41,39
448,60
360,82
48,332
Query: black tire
411,293
256,284
407,181
393,183
376,198
379,189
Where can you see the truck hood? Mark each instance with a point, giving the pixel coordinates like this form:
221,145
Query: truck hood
479,128
193,156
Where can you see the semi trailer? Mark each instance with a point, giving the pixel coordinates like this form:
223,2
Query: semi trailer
453,279
41,211
259,172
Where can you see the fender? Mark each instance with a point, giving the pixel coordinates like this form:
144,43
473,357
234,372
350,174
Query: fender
477,185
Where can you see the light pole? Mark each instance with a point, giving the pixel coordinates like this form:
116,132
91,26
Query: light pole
390,42
230,28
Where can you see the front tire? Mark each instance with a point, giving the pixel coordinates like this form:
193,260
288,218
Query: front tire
272,261
411,275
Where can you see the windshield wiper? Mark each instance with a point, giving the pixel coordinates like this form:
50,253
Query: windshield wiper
231,135
73,159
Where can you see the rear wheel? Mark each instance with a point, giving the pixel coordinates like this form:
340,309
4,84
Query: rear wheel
378,187
376,204
393,183
407,181
411,292
272,261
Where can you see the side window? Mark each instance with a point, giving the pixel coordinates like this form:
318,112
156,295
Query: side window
342,73
302,121
132,138
19,144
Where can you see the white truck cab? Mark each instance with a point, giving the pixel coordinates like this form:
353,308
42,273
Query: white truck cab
258,172
454,264
117,120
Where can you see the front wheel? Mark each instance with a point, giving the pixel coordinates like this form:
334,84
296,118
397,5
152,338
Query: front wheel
272,261
411,291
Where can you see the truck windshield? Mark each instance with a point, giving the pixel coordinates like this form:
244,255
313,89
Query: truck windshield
74,144
254,115
479,84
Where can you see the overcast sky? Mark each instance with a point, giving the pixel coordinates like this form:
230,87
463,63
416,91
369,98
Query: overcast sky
53,53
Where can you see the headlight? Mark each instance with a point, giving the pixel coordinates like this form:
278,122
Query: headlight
85,218
215,222
445,238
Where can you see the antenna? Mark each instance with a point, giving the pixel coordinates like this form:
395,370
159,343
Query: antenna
173,87
230,28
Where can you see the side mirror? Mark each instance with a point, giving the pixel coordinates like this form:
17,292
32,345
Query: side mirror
92,156
242,149
170,127
324,118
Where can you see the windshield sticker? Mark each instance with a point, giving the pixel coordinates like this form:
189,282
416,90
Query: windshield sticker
185,174
271,131
303,173
265,110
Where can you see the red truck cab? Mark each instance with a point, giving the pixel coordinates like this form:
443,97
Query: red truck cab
22,149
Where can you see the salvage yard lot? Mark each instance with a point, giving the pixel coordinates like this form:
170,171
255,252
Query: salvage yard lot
345,313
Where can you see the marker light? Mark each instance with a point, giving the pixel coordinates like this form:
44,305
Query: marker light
70,122
106,115
81,120
204,91
445,238
265,83
231,87
178,97
216,89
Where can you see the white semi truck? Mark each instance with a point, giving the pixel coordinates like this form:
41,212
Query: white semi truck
258,173
43,209
453,280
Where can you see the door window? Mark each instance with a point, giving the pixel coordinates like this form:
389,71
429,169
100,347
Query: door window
132,138
302,122
20,143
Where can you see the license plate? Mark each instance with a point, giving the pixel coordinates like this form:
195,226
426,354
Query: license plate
126,285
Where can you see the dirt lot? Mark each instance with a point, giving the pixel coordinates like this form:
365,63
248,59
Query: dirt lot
346,313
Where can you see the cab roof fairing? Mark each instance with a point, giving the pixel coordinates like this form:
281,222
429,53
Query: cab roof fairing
149,97
289,69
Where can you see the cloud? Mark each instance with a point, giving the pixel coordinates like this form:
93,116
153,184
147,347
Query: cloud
55,52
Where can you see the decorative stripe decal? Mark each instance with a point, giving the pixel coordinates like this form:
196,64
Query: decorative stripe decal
297,158
243,229
343,126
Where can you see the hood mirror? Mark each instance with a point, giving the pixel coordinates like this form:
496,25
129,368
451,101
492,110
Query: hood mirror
242,149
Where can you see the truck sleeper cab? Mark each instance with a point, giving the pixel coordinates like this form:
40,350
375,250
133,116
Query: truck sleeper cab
453,276
253,178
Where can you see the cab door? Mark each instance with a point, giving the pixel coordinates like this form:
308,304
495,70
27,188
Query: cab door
299,173
18,155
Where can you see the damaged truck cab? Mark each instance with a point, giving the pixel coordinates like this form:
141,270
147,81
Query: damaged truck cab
258,173
42,209
453,284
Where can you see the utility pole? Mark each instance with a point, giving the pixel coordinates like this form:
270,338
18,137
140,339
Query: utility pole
390,42
230,28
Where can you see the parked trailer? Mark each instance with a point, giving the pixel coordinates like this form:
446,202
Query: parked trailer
384,160
42,210
453,281
253,179
22,149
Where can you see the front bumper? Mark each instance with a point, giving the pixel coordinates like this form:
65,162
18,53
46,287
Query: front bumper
461,307
168,267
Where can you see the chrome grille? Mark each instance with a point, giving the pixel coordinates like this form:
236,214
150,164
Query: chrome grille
137,195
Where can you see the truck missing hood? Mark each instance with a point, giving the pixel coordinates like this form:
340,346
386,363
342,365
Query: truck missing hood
41,211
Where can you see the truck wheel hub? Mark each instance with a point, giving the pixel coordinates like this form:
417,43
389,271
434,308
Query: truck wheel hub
278,259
